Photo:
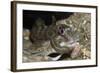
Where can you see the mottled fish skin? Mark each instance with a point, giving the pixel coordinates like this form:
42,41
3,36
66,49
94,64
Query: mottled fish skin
42,33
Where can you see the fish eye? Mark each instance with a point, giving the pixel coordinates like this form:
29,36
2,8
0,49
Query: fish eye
60,30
